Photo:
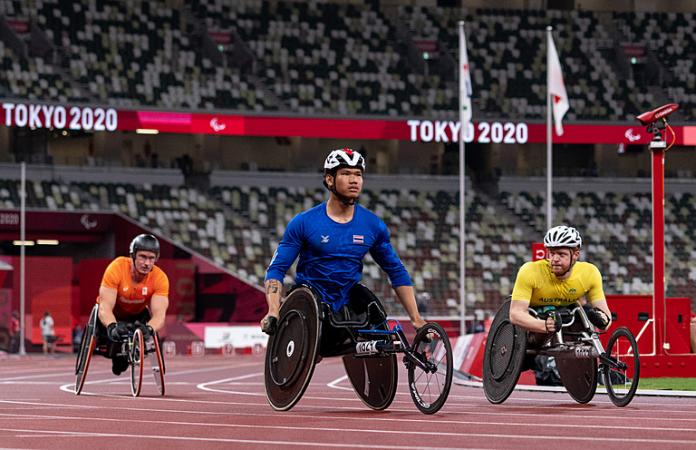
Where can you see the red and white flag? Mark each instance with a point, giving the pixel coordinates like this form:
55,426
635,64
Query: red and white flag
557,90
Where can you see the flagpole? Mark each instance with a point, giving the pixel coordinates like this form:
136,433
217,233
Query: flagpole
464,118
22,257
549,136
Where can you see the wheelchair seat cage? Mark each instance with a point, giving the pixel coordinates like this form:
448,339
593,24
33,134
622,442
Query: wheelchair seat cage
309,330
579,354
135,348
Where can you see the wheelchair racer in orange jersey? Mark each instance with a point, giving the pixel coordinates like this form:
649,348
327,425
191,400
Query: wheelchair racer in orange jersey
132,289
559,281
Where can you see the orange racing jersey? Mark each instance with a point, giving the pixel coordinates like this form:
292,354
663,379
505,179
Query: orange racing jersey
133,297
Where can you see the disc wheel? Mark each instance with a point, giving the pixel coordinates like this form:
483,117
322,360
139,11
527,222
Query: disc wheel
136,356
621,367
292,350
504,355
430,387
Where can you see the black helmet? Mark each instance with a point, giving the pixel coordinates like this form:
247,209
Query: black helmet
146,242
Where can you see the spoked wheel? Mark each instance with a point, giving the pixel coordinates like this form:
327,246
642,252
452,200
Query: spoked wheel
158,369
87,345
621,367
430,385
136,356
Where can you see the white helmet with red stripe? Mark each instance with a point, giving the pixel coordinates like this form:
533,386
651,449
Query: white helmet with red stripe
344,157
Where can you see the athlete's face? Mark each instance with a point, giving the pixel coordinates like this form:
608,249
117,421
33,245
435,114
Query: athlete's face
561,259
349,182
144,261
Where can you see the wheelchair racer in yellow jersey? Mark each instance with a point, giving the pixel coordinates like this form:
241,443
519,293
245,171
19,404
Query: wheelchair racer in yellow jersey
558,281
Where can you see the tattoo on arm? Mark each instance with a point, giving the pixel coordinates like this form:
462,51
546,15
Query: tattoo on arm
272,287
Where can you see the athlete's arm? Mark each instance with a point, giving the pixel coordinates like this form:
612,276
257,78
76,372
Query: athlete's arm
286,253
158,309
519,315
595,295
107,302
603,306
274,290
384,255
407,298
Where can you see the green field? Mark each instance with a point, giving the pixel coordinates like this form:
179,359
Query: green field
671,384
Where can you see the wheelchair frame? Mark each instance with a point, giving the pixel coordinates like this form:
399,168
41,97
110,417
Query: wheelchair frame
369,355
579,354
135,348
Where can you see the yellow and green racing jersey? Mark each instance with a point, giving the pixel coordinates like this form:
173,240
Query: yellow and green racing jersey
537,284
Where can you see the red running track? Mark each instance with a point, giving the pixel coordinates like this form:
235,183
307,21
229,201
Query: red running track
217,402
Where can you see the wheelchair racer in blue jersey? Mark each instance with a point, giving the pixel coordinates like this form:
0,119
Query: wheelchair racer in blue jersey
331,240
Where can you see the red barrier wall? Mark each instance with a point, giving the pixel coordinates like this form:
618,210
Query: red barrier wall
634,312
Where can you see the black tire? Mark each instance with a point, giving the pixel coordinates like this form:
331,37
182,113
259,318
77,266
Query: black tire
87,346
621,367
292,351
579,376
503,360
429,390
83,359
374,379
158,369
136,357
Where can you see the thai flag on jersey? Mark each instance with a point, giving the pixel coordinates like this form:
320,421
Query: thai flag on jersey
358,239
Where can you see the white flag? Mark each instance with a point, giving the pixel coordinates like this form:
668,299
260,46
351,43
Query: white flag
464,81
557,90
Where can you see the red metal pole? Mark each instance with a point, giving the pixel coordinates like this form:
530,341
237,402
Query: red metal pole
658,223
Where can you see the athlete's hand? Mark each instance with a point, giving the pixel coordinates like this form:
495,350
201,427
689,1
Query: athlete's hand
419,323
597,317
269,324
147,329
117,331
550,324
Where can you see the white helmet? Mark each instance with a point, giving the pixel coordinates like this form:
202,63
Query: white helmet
562,236
344,157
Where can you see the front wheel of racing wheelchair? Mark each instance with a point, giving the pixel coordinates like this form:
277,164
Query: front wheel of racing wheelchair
308,330
578,353
136,348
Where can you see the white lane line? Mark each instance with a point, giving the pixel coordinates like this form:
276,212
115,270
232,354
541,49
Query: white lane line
582,422
334,384
52,374
206,387
525,425
559,437
73,434
70,387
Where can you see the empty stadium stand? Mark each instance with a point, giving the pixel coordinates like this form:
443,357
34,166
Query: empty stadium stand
340,58
239,226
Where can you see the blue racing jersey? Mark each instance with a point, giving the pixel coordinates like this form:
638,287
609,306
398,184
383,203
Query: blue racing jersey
331,253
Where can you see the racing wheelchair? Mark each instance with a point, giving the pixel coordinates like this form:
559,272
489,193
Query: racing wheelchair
308,330
576,348
135,348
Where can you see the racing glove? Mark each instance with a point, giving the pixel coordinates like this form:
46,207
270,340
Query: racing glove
117,331
597,318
